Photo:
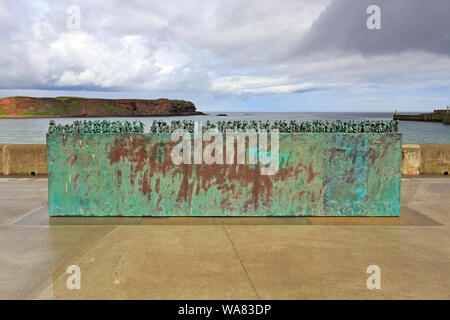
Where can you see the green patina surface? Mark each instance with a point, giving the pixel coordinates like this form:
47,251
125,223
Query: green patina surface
132,174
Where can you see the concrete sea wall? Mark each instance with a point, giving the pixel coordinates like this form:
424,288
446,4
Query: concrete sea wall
129,174
425,159
417,159
23,159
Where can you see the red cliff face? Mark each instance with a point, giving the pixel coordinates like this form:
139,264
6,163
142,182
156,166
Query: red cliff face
82,107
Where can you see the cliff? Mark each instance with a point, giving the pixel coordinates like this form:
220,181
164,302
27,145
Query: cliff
84,107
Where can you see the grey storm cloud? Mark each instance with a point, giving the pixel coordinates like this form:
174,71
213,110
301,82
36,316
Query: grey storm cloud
405,25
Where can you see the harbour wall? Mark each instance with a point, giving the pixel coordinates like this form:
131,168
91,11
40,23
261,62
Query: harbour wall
437,116
31,159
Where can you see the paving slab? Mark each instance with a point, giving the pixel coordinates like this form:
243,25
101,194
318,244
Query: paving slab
30,256
408,189
433,199
330,262
159,262
19,197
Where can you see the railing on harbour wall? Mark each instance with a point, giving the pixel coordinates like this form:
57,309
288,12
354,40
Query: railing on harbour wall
339,168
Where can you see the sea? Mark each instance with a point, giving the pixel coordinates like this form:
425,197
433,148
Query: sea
33,130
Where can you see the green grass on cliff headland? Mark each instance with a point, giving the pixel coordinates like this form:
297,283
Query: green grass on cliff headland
37,113
63,98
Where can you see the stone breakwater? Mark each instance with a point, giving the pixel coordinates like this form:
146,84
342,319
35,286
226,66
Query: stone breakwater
20,107
441,115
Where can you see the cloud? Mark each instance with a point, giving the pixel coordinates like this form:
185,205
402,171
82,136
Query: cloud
407,25
39,51
223,48
247,85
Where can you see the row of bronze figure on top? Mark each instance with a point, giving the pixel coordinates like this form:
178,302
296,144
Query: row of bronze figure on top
283,126
104,126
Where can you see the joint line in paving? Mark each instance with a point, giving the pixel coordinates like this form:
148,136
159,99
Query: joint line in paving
242,263
26,215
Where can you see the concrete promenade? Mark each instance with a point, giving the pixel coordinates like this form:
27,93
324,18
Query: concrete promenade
225,258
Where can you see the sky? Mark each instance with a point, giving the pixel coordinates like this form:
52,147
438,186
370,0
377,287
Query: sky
231,55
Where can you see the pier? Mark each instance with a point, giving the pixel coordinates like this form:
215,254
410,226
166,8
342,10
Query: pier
439,115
